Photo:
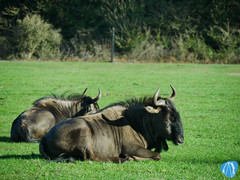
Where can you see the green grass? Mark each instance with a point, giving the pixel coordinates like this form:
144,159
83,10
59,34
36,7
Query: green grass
208,99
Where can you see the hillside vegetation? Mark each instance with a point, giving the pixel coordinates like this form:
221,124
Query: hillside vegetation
206,31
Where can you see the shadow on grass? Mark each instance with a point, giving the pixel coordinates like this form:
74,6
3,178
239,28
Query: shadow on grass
30,156
5,139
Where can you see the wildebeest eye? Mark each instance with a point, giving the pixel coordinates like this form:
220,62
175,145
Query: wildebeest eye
173,119
176,116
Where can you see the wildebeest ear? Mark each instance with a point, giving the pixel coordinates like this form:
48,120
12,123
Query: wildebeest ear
150,109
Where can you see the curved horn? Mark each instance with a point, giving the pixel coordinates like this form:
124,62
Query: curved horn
173,93
84,92
159,102
155,97
98,97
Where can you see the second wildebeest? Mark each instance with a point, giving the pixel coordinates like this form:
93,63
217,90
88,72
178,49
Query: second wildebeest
34,123
120,131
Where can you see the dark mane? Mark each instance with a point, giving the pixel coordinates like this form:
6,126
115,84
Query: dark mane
63,97
146,101
57,105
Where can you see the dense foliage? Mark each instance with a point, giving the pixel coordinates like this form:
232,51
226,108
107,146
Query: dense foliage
205,31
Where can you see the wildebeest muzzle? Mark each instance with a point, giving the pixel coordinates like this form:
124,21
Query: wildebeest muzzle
178,140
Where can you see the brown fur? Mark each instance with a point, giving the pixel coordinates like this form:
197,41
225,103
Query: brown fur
34,123
116,133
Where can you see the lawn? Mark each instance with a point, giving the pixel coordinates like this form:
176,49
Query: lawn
208,99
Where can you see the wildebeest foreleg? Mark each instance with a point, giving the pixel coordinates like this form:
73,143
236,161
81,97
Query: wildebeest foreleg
91,156
140,153
161,143
109,159
140,158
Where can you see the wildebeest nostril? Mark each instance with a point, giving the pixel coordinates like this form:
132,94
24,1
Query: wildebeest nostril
179,140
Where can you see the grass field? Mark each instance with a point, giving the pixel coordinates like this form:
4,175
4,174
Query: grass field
208,99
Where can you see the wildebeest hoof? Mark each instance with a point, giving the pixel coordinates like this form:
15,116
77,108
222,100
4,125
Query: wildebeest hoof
157,158
119,160
125,160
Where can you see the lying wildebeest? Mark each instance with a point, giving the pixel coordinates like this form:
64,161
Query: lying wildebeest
120,131
34,123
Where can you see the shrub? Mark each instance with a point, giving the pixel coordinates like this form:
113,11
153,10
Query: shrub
229,43
35,38
149,48
191,48
124,17
83,47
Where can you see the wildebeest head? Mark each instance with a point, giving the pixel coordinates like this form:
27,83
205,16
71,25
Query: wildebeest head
168,124
88,104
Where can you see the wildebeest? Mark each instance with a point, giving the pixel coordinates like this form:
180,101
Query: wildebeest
118,132
34,123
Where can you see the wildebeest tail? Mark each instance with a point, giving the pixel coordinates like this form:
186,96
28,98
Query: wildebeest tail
43,148
19,130
65,158
14,135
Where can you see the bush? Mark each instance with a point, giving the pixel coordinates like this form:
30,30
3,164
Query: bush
36,39
188,47
149,48
6,48
185,48
191,48
229,44
83,47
